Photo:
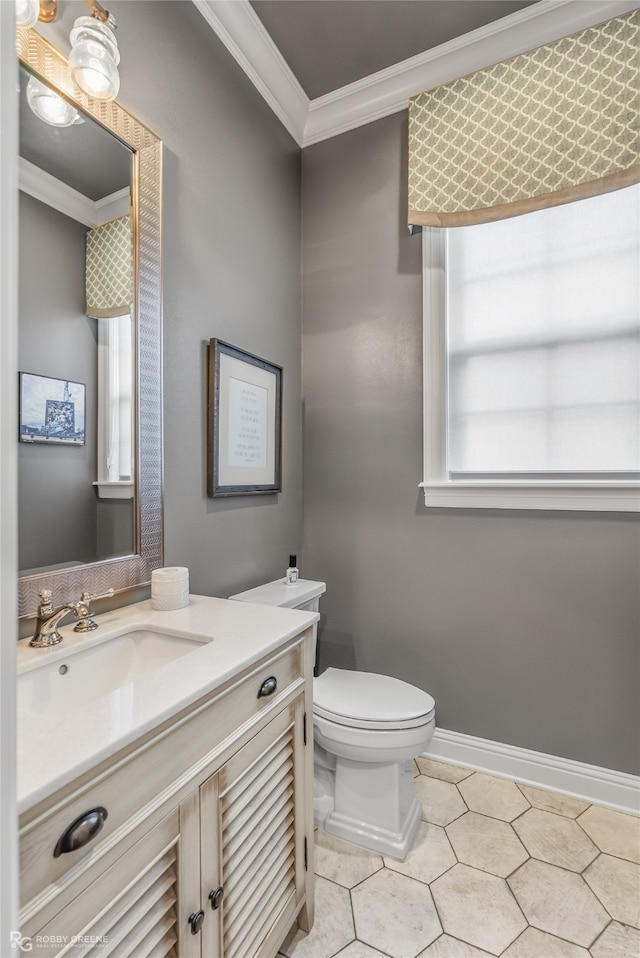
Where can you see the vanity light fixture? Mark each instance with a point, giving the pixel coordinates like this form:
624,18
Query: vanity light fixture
50,107
94,56
46,11
27,12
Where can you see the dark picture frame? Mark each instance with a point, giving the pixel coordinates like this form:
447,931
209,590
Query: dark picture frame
51,411
244,423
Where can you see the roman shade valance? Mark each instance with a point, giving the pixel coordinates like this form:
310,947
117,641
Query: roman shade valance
109,270
556,124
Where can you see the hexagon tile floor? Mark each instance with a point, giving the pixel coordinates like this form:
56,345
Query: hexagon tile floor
498,869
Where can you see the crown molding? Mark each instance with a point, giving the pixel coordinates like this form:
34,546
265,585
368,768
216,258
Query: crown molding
244,36
46,188
387,92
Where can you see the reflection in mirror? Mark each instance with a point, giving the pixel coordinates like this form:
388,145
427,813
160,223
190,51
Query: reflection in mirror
109,466
75,500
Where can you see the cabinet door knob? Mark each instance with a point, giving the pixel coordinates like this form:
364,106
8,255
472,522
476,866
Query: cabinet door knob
195,921
268,687
81,831
216,896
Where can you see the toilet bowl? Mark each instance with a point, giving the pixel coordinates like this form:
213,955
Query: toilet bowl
368,728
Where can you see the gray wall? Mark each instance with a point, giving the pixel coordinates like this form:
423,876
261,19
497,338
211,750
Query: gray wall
524,627
57,504
114,527
231,238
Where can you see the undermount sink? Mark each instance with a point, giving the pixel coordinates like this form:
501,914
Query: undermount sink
77,675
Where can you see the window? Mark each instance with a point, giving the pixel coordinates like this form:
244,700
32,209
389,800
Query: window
532,359
115,408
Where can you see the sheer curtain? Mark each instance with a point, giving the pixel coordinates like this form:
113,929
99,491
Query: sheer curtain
115,402
543,330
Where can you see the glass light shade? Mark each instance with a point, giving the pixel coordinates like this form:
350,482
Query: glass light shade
94,58
27,12
48,106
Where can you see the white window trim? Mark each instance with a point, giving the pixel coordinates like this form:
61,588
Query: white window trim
439,491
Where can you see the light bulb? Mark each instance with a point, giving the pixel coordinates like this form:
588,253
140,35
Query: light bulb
27,12
48,106
94,58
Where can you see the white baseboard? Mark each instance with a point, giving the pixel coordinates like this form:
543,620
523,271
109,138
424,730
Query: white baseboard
600,786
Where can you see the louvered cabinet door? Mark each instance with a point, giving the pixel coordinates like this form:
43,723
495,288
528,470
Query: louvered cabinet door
253,841
131,910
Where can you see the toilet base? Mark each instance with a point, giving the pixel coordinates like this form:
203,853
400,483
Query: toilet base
372,806
392,844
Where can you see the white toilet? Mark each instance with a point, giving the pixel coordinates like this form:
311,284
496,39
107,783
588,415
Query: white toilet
367,730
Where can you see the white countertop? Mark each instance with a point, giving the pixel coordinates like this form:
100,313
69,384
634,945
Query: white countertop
52,753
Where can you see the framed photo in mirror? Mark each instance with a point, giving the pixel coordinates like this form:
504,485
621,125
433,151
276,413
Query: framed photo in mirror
52,411
244,413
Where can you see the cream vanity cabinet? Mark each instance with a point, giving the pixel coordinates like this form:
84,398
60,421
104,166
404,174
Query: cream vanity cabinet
205,851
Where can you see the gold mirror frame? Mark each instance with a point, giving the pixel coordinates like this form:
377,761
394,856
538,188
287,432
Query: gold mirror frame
39,57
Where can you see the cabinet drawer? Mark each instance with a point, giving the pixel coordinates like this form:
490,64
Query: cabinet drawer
131,908
135,785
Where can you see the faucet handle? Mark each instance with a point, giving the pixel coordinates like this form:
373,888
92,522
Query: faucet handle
83,613
90,596
45,607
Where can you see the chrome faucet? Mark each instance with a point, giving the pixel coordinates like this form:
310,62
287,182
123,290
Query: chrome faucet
46,631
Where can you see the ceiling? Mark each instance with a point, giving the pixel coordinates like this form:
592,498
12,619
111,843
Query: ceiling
328,44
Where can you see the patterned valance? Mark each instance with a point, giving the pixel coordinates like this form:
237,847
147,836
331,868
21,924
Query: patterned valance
109,273
557,124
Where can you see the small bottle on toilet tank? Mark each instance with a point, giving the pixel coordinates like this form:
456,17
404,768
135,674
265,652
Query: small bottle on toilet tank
292,571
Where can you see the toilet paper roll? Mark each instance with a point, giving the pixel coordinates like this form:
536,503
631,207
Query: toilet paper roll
168,580
169,588
169,603
174,573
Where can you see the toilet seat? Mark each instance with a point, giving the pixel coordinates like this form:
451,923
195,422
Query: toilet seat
366,700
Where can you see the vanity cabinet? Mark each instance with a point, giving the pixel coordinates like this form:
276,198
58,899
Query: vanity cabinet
205,851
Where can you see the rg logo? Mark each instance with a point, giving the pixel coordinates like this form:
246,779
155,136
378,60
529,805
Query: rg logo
23,943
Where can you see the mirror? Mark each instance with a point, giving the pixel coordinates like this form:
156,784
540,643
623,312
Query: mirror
113,539
75,471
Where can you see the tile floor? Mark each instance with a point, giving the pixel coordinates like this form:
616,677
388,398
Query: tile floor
498,869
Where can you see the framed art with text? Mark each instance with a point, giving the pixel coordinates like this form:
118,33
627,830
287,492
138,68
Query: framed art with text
244,413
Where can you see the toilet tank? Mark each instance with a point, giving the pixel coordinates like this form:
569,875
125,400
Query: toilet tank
303,595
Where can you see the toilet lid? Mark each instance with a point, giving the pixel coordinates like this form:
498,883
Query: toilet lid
368,700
